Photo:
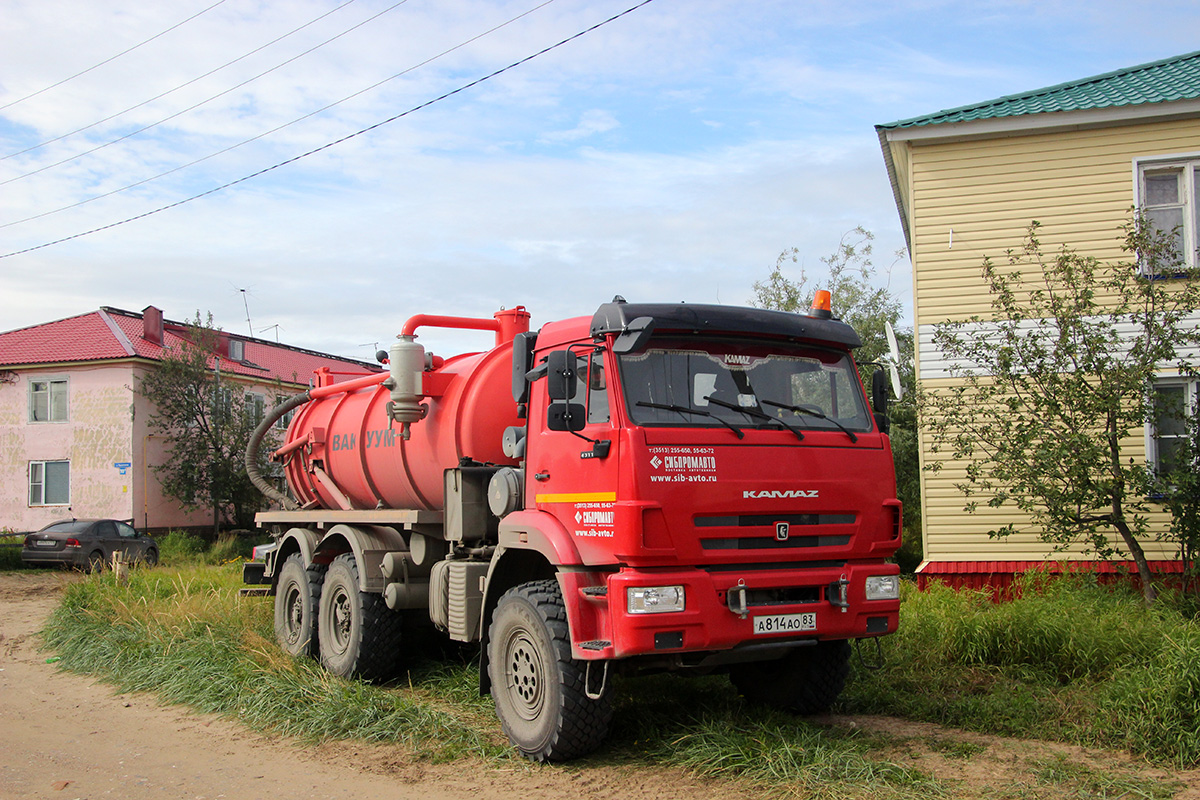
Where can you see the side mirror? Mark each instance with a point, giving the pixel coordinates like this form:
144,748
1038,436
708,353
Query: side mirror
563,381
523,345
566,417
879,400
879,391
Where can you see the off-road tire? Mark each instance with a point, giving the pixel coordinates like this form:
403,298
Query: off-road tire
358,635
805,681
538,687
296,596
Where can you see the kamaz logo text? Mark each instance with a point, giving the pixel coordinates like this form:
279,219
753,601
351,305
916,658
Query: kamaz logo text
775,493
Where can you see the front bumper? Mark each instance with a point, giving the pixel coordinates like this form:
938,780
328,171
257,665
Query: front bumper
835,595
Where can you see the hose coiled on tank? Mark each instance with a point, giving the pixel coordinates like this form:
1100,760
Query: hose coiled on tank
256,439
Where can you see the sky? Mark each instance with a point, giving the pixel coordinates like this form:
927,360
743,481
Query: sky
381,169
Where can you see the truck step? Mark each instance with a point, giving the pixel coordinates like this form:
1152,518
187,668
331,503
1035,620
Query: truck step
255,591
595,644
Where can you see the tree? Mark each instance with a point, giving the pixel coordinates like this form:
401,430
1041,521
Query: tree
207,421
848,274
1054,385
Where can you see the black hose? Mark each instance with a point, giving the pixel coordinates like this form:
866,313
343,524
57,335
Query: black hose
256,439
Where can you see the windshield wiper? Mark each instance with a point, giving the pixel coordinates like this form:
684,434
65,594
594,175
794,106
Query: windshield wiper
686,410
750,411
812,412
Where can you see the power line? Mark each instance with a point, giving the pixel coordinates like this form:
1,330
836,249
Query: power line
264,134
111,58
343,139
260,48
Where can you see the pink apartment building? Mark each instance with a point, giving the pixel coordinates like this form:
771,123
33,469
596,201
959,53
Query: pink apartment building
74,435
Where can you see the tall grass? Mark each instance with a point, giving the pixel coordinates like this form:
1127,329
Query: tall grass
186,635
10,550
1066,660
180,548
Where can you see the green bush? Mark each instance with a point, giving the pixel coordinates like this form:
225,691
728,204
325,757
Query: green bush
180,547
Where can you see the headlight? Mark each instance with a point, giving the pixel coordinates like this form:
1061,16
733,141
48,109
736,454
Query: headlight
883,587
654,599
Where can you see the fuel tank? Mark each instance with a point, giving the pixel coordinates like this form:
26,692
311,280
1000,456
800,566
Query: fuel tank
354,455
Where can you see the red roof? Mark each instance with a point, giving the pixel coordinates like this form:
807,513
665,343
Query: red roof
1018,567
111,334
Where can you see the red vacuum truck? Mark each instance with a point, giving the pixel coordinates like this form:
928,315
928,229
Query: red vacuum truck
695,488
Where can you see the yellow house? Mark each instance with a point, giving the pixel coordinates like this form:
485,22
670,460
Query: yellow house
968,182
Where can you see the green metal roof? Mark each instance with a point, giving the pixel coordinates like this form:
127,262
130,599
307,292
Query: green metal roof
1176,78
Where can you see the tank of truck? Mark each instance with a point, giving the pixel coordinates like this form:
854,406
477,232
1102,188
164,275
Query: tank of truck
355,452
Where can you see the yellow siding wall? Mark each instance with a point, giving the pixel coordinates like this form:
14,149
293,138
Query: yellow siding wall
1080,186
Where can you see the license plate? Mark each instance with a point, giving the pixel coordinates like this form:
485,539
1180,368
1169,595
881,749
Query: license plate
785,623
44,543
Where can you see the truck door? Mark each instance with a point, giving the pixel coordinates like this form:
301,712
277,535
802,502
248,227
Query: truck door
572,474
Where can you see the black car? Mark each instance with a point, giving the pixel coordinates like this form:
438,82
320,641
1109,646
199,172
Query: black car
87,544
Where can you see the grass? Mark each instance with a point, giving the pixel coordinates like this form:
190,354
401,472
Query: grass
10,550
185,634
1067,661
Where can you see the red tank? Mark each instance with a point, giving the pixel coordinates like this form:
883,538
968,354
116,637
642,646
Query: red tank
344,451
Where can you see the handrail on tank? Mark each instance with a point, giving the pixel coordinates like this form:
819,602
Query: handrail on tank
505,323
348,386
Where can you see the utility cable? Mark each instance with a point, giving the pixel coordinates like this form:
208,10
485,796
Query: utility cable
12,103
343,139
176,89
202,102
264,134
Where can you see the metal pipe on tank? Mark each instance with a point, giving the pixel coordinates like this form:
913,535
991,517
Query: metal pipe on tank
506,323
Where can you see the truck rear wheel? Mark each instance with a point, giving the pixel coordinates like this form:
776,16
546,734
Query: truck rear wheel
805,681
538,687
296,597
359,635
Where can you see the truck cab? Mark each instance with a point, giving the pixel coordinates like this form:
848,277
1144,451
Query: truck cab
715,491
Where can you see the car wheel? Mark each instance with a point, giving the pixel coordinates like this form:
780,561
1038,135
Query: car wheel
806,680
296,598
358,635
151,557
538,687
95,562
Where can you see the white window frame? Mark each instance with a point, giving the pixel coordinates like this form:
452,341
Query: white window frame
51,381
237,350
256,404
283,422
1187,165
1191,401
37,481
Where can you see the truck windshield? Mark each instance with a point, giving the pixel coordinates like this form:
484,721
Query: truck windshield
747,384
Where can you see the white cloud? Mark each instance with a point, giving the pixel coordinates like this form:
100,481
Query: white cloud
668,156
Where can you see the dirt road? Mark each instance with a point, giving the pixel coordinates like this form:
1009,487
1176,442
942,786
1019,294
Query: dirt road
64,736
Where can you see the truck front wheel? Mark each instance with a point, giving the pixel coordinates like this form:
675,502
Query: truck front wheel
359,635
805,681
538,687
296,598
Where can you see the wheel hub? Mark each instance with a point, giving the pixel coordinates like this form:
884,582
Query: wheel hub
295,614
526,676
342,619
